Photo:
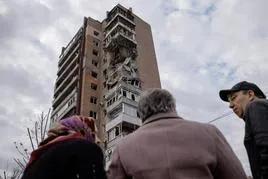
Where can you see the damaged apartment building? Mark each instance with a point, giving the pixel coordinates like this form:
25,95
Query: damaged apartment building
103,70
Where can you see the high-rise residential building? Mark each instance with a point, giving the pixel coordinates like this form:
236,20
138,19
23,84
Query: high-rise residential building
102,72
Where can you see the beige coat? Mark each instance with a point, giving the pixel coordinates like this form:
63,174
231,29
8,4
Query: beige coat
168,147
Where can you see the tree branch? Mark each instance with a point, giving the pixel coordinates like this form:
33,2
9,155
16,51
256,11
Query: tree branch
30,137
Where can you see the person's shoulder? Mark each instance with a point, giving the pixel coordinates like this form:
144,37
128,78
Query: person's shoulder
206,129
258,102
200,125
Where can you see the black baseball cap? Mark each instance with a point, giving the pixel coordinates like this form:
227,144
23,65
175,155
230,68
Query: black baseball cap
243,85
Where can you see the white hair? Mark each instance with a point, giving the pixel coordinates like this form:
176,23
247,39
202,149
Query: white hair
153,101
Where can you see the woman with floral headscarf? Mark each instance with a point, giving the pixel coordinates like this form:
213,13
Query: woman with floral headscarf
68,152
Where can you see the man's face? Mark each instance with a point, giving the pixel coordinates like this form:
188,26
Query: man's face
239,100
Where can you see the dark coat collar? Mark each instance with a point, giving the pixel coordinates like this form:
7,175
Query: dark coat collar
161,116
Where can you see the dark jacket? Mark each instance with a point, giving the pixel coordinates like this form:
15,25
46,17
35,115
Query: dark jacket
166,147
256,137
69,159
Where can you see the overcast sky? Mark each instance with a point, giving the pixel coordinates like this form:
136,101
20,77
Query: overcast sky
201,46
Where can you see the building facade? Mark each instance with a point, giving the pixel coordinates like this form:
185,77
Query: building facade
102,72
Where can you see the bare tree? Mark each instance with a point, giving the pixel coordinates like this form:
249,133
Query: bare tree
15,173
35,136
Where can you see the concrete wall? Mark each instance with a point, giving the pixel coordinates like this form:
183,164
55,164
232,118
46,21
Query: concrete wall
146,60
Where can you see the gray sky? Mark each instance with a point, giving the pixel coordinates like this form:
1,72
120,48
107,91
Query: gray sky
201,47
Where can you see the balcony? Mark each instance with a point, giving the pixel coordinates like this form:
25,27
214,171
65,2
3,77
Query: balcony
119,10
122,85
120,25
119,101
70,46
66,110
120,19
67,80
64,102
113,142
66,71
74,54
123,118
119,38
111,92
68,89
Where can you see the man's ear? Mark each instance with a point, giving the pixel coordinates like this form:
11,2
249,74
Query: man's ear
251,95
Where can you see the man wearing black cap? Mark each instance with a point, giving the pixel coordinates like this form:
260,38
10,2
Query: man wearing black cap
249,103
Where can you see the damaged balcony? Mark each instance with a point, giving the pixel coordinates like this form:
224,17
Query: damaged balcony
120,36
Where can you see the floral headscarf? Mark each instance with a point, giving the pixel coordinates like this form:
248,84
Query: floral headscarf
68,128
84,126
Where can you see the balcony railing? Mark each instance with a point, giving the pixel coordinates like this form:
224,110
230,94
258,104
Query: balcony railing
119,11
119,18
64,102
122,118
71,85
122,85
120,36
66,71
67,109
121,99
70,45
66,81
120,25
66,62
114,141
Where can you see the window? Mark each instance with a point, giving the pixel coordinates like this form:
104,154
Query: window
95,42
95,63
115,75
104,72
104,60
124,93
133,97
111,135
95,52
115,113
93,100
94,74
104,84
117,131
94,86
96,33
71,101
137,83
93,114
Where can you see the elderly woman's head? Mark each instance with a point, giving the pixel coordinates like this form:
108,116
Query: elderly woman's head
84,126
153,101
